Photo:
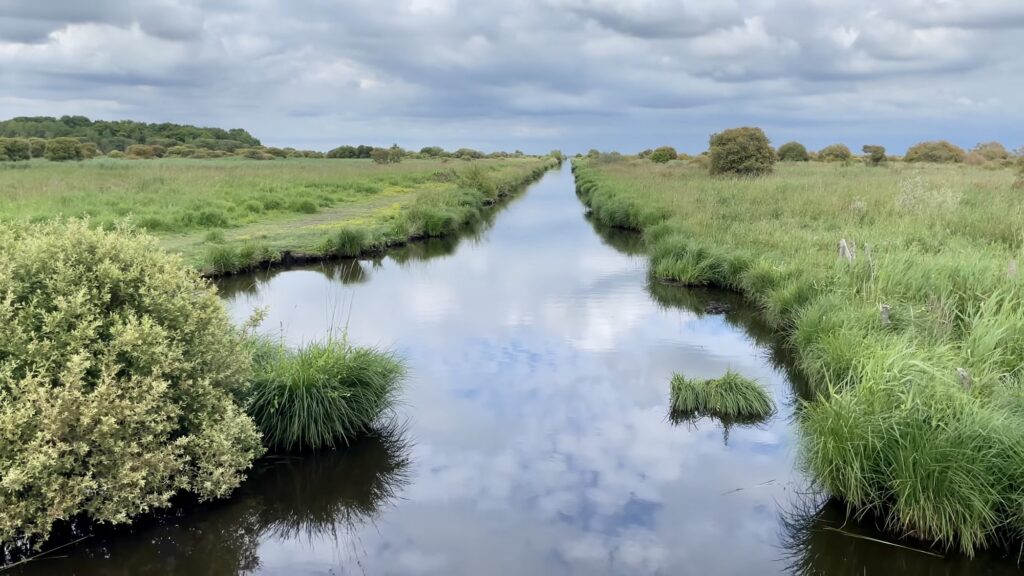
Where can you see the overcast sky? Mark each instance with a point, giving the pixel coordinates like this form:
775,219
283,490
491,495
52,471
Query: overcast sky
531,74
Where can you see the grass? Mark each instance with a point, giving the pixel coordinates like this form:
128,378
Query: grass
731,398
320,394
227,215
918,419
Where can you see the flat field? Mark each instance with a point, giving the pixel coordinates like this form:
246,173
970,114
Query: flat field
912,333
222,215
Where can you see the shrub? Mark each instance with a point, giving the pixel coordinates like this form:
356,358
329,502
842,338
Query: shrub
144,151
793,152
115,154
88,150
992,151
663,154
321,393
741,151
731,398
874,155
939,151
380,155
62,149
17,149
3,151
432,151
835,153
119,369
37,147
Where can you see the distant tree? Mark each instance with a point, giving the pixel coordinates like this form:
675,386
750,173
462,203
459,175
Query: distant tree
874,155
744,151
593,153
835,153
468,153
63,149
793,152
663,154
992,151
432,151
645,153
395,154
556,154
939,151
380,155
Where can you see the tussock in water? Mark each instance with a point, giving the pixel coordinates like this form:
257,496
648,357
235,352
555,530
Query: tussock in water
320,394
731,398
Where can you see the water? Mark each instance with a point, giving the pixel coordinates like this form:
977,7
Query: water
534,434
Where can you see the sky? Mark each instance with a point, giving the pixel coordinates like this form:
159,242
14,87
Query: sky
527,74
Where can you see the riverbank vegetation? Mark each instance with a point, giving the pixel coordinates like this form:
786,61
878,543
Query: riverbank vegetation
730,398
231,214
897,288
120,380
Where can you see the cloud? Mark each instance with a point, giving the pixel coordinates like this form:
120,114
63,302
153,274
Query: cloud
537,74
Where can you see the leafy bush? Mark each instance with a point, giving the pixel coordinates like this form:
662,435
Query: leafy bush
119,370
793,152
835,153
991,151
320,394
37,147
939,151
16,149
63,149
741,151
874,155
88,150
115,154
663,154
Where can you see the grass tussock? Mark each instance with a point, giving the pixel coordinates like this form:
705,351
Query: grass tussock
912,334
320,394
731,398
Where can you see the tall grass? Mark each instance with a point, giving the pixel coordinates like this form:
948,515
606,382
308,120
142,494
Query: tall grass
731,398
920,413
320,394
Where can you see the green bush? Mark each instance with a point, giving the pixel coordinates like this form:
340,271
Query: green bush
992,151
321,393
115,154
793,152
119,370
37,147
742,152
663,154
62,150
144,151
939,151
16,149
88,150
835,153
874,155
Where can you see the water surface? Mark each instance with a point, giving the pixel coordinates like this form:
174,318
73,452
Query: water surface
534,435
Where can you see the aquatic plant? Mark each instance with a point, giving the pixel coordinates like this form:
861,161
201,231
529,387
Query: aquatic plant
730,397
119,370
321,393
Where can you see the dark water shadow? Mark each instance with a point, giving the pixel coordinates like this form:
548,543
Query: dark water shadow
819,539
321,497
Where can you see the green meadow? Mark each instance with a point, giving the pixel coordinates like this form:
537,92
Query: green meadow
897,289
224,215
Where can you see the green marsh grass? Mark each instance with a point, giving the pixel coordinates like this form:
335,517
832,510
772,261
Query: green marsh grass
918,418
322,393
731,398
295,205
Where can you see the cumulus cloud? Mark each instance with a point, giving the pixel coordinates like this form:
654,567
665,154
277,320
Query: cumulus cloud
537,74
